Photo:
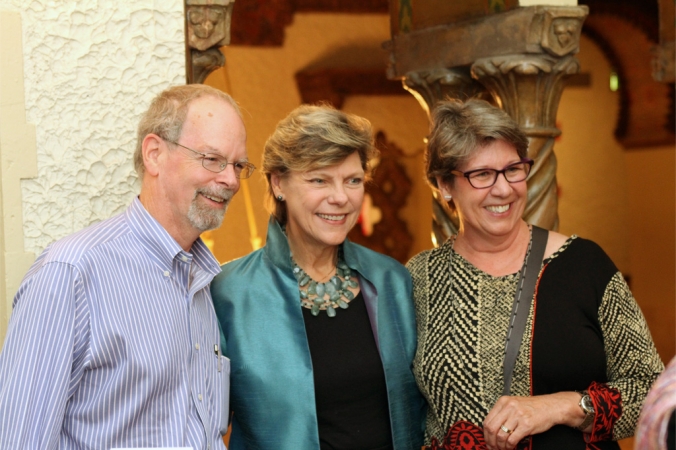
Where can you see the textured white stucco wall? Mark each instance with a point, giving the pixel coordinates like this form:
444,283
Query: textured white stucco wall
18,160
91,68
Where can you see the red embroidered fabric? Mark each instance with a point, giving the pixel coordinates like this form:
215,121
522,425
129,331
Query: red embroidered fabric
465,436
608,407
461,436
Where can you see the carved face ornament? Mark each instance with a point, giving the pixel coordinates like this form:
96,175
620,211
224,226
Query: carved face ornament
560,34
207,26
203,20
565,32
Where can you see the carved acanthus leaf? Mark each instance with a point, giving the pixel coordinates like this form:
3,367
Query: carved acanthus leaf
528,87
431,86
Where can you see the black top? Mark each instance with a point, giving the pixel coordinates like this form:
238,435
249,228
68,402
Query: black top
568,352
350,390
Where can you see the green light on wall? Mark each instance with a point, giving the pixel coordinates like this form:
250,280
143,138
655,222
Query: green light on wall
614,81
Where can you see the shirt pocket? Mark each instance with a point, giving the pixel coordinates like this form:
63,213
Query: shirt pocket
224,374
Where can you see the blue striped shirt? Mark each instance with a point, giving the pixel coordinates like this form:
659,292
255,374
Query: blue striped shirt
113,343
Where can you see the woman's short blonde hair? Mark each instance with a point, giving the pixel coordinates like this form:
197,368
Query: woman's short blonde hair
460,128
314,137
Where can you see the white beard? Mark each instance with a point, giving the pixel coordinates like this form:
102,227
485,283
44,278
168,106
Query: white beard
204,218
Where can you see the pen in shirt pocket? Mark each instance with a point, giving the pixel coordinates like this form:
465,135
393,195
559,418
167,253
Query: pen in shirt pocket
217,351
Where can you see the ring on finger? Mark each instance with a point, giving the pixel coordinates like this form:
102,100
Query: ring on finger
505,429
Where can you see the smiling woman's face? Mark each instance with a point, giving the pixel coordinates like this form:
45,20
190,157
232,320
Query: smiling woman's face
493,211
324,204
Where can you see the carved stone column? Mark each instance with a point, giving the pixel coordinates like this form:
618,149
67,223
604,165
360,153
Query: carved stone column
522,58
207,26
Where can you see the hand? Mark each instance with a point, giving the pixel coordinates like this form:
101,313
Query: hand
525,416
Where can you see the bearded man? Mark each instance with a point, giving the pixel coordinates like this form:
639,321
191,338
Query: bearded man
113,341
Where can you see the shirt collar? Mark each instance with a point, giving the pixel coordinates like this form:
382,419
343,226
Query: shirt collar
159,243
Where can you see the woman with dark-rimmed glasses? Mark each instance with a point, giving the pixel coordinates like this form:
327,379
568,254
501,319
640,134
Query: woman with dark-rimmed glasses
526,338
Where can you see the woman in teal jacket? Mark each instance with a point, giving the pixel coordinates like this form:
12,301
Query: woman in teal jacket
320,331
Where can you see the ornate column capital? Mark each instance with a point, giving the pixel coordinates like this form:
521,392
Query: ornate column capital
431,86
528,87
207,27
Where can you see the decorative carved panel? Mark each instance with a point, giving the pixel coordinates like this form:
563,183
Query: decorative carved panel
388,191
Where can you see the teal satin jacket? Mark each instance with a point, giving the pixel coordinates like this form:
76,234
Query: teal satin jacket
272,387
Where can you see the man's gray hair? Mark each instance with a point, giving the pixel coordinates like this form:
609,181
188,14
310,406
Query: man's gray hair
167,113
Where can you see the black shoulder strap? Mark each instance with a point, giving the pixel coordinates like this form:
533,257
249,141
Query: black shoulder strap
523,297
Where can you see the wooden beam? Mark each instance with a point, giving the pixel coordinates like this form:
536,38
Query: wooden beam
262,22
334,84
342,6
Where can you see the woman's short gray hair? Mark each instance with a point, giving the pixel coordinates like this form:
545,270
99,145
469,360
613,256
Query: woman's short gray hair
167,112
314,137
460,128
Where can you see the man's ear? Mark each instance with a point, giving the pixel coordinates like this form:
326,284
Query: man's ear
153,149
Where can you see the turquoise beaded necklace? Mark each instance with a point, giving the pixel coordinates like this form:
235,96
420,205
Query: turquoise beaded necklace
330,295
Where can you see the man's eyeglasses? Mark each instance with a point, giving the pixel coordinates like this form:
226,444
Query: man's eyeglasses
485,178
216,163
